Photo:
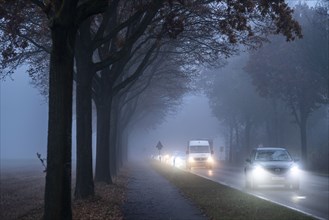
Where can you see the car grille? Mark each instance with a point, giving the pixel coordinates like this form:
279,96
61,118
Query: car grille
277,171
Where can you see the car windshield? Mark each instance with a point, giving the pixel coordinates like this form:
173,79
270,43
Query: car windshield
199,149
272,155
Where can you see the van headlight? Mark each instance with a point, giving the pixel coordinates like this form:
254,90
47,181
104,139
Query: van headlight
210,160
190,159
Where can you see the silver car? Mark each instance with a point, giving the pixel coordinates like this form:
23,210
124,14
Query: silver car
271,166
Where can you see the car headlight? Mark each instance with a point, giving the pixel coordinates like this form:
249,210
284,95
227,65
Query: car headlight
258,170
294,169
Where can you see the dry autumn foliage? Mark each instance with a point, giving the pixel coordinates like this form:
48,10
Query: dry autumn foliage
105,205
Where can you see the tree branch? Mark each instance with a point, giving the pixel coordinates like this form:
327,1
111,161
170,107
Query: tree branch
39,4
137,73
89,8
106,19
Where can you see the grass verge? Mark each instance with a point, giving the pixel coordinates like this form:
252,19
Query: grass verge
218,201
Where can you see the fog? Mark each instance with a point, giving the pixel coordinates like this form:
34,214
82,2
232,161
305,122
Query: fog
24,115
192,121
23,118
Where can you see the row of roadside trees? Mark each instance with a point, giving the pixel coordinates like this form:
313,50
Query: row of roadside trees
265,96
115,51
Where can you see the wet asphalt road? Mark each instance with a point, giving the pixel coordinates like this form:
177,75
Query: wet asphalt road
312,198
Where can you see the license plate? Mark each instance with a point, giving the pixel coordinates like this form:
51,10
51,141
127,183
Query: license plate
276,178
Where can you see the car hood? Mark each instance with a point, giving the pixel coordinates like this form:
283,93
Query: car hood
275,164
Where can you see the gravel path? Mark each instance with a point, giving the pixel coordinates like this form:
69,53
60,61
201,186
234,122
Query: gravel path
151,196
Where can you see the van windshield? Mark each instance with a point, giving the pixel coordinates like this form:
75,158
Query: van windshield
199,149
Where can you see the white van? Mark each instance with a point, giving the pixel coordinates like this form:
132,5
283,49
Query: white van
199,154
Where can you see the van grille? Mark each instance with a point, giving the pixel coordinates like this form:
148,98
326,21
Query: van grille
200,159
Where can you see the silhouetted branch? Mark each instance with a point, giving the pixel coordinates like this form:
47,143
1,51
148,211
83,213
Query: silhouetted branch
43,161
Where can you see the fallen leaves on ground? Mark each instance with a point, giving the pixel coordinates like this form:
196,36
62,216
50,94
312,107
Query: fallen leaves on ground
105,205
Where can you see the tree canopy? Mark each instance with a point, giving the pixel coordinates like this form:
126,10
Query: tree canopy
296,73
203,30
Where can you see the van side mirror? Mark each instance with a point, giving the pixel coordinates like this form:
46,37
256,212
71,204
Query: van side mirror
187,152
248,160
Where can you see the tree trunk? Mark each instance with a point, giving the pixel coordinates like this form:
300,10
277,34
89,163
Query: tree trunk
103,172
272,125
114,138
113,146
231,143
84,173
247,131
124,144
268,128
303,135
123,141
59,152
120,150
237,142
120,145
301,120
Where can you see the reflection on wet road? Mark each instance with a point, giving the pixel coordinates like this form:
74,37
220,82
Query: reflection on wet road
312,197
